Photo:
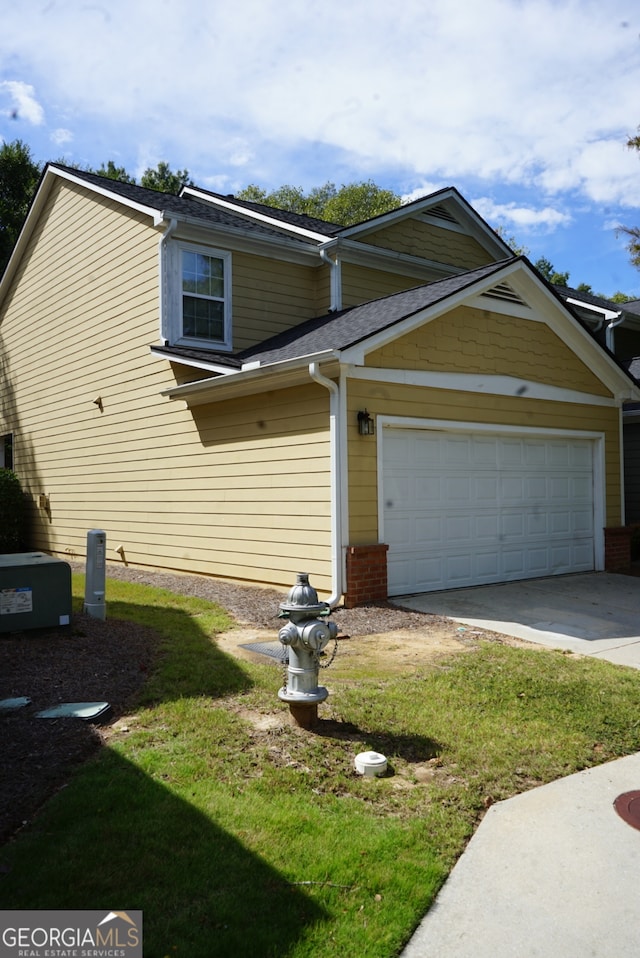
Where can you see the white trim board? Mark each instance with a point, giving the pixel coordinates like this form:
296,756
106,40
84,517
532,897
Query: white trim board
494,385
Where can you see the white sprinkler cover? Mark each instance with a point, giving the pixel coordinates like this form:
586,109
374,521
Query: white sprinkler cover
371,764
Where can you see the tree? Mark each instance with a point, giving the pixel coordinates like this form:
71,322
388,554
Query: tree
544,266
113,172
352,203
621,298
164,179
19,175
633,232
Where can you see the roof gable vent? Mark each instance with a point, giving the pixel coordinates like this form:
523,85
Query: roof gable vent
441,212
506,294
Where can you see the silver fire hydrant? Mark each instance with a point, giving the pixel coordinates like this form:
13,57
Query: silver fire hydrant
306,634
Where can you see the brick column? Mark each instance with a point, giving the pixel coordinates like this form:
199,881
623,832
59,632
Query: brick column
366,574
617,549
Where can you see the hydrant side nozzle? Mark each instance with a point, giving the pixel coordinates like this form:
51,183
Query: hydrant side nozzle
288,634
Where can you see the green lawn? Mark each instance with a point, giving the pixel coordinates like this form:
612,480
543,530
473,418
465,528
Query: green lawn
241,837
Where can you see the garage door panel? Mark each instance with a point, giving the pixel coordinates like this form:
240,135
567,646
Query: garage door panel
428,490
486,489
428,530
464,510
487,526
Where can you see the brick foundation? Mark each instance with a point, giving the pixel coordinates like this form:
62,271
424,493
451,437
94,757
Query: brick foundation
617,549
366,574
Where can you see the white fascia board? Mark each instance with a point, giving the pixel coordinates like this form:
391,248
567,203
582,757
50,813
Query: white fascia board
38,202
251,380
567,327
195,363
480,230
401,212
494,385
605,313
273,221
157,216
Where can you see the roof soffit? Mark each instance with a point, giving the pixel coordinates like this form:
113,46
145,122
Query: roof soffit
378,257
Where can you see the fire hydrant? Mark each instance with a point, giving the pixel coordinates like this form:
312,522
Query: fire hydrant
306,634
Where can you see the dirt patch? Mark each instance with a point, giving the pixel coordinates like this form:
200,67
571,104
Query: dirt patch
388,652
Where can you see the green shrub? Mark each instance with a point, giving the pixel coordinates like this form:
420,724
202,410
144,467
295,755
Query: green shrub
11,512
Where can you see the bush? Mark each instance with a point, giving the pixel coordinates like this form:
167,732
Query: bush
11,512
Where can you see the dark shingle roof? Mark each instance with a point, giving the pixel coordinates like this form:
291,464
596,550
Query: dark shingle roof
337,331
285,216
206,357
180,206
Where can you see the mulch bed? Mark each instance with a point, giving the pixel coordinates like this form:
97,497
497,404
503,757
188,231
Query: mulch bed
91,661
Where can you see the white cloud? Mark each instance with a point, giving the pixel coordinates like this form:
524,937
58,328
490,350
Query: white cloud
523,217
424,189
23,103
539,95
61,136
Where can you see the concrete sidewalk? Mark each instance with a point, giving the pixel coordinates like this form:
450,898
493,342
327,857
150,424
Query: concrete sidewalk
593,614
554,872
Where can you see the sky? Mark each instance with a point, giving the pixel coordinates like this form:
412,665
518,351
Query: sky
525,106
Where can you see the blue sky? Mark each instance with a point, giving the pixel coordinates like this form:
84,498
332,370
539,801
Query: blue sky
524,105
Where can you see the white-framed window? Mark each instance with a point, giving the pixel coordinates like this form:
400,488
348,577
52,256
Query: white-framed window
200,300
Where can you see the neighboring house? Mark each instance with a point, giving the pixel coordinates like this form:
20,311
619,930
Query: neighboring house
617,326
229,389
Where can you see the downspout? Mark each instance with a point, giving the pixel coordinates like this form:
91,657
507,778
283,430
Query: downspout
336,497
336,279
162,248
616,321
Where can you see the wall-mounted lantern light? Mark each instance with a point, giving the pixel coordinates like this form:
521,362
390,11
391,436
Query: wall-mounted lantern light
366,424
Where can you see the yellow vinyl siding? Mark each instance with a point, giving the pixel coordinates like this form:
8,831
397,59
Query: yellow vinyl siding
361,284
425,403
431,242
269,296
479,341
240,490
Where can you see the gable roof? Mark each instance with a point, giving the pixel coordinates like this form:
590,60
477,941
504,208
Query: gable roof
346,336
349,327
447,207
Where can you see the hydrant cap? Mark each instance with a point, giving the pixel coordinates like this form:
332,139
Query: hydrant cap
303,597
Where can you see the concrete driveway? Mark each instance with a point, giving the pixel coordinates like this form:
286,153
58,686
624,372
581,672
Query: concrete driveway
594,613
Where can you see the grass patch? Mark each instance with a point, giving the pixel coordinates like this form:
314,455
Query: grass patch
240,836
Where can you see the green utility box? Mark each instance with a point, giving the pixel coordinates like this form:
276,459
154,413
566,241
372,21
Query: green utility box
35,592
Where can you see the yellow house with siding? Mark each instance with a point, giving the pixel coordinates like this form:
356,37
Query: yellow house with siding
241,392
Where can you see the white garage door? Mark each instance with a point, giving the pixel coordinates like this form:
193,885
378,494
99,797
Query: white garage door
464,509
